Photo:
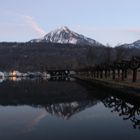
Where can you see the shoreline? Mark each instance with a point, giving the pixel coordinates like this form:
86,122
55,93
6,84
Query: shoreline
127,89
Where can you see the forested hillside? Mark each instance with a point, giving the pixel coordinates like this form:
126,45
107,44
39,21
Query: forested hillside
42,56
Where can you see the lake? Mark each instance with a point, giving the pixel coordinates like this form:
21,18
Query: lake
65,110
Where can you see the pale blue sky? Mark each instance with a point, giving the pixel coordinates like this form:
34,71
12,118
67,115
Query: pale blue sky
107,21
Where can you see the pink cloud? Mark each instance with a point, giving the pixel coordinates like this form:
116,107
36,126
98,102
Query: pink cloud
30,21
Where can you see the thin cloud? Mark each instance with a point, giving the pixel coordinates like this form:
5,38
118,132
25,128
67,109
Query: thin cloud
30,21
19,25
30,125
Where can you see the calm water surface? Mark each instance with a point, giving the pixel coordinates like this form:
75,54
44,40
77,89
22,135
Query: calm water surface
65,110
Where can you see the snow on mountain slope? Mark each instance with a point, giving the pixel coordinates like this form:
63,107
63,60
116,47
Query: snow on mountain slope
135,44
64,35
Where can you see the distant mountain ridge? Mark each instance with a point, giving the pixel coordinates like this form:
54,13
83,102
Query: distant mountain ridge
135,44
64,35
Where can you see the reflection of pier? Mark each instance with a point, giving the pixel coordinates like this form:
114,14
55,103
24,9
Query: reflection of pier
59,78
59,73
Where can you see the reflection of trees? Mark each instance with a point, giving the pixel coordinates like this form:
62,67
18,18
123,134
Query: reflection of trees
126,110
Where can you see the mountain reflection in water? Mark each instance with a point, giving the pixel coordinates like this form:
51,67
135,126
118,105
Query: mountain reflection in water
66,110
62,99
66,100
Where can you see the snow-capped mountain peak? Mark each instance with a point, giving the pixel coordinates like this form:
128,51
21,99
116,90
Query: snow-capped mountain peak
64,35
65,28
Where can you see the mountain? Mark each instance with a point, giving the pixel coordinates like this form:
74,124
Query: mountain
135,44
67,110
64,35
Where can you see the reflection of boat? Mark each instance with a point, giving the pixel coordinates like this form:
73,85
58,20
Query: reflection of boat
15,79
66,110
